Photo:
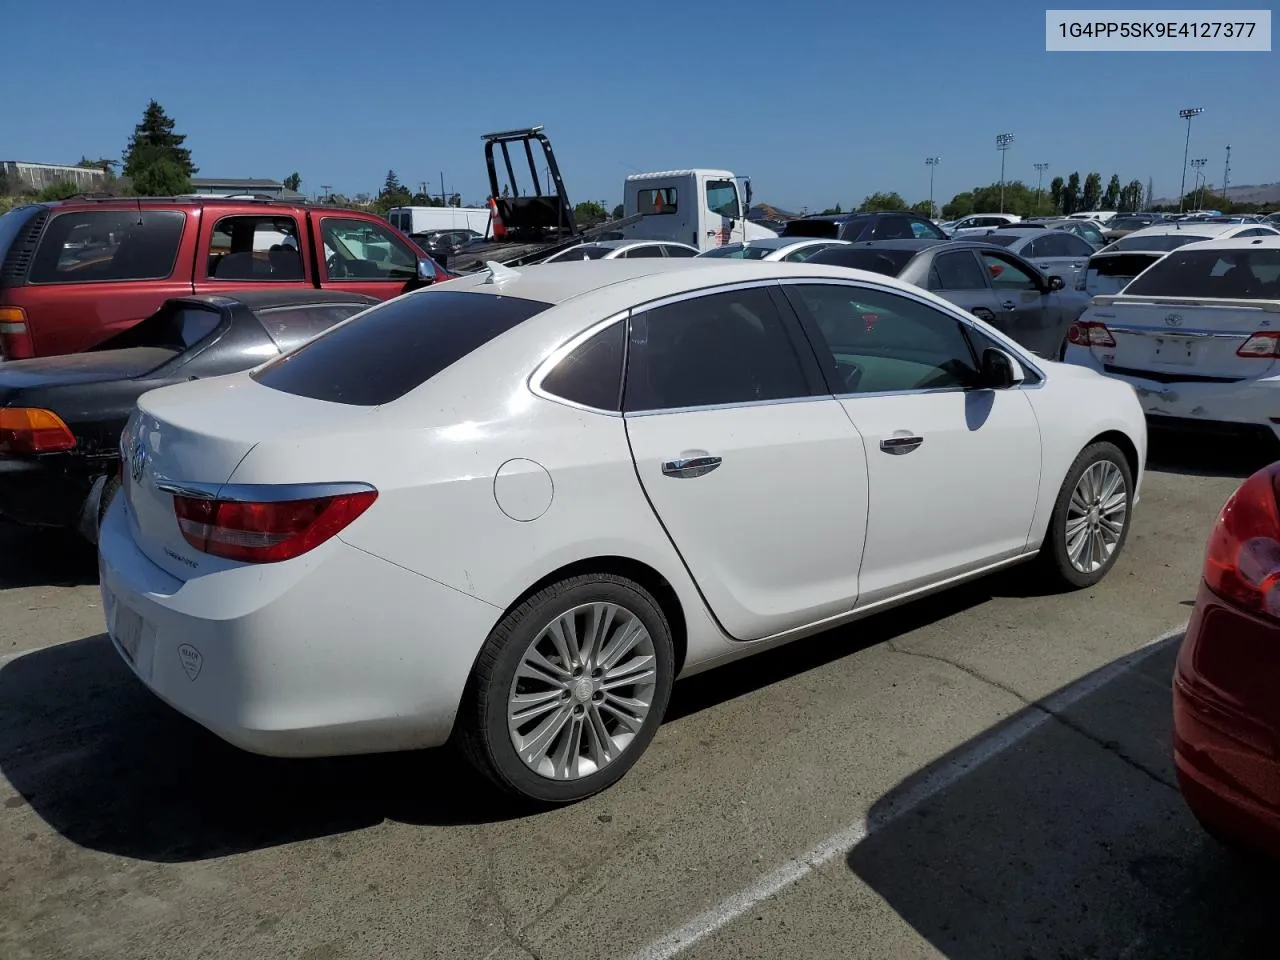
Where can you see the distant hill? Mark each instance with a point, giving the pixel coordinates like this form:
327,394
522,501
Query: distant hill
1268,193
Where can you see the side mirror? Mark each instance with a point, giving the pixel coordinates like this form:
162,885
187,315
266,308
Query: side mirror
426,270
1000,370
1056,283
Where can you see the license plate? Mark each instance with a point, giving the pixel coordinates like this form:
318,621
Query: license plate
126,630
1175,350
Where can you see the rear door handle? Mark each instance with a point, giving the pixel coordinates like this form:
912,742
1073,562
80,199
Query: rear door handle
899,445
1009,305
689,467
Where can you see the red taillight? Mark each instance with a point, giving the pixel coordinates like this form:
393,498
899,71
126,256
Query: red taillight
1264,344
15,334
25,431
1088,333
1242,561
266,532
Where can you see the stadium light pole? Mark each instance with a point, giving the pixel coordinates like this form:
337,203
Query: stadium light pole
1040,169
1003,140
1186,115
931,162
1197,166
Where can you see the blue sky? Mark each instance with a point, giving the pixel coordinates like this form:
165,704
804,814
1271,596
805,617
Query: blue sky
817,101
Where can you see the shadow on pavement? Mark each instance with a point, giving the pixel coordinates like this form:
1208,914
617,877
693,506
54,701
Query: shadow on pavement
1200,456
1071,843
37,558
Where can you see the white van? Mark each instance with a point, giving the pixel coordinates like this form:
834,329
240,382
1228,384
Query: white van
423,219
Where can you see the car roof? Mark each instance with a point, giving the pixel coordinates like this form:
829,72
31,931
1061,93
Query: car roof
1182,226
913,243
1235,243
778,243
259,299
1017,231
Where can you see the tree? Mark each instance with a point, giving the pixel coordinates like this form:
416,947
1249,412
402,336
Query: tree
1092,191
1056,187
1151,195
104,164
1130,199
155,156
882,201
393,194
831,211
618,212
293,182
59,190
1111,199
588,213
1071,195
922,207
961,205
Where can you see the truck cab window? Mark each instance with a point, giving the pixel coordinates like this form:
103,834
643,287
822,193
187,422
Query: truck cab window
363,250
722,198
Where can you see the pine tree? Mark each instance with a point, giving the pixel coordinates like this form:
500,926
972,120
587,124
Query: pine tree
153,143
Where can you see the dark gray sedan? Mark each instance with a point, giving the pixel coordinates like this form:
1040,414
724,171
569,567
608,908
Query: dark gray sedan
1002,288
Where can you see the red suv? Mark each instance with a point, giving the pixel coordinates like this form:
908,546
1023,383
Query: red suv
74,273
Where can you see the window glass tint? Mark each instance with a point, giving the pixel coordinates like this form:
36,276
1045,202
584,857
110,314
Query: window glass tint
592,374
923,230
174,328
647,251
881,341
255,248
1007,275
659,201
958,271
1167,241
289,327
96,245
364,250
722,198
396,346
1004,239
804,253
888,262
722,348
673,251
1225,274
893,228
813,228
851,229
1074,246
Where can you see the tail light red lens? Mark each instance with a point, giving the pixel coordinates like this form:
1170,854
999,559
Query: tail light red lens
266,532
1265,345
26,431
1088,333
1242,562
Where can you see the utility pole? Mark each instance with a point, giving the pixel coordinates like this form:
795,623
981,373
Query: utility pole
1040,169
932,162
1197,166
1186,115
1003,140
326,190
1226,179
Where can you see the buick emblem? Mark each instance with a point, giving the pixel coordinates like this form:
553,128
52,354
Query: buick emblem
138,461
1174,319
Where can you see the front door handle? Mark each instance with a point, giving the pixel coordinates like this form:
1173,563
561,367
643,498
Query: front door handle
689,467
900,444
1009,305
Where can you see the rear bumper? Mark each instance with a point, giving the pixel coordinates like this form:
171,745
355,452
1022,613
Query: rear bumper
334,652
47,491
1226,751
1242,409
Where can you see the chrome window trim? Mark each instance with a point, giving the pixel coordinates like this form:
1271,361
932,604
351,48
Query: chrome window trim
259,492
1019,353
813,398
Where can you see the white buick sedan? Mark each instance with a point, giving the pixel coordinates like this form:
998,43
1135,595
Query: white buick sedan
511,509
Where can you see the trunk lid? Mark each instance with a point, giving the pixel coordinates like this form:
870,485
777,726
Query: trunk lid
17,376
194,435
1109,273
1173,339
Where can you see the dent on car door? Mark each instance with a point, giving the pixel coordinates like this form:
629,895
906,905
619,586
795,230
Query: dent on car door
752,467
1030,314
953,468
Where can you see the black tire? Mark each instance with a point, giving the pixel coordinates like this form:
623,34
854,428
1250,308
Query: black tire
1054,561
481,729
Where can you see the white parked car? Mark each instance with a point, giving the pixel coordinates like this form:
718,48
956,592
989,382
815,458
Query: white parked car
1112,268
512,508
790,249
980,223
1197,335
624,250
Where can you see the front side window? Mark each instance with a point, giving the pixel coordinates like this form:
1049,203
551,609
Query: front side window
884,342
255,248
661,200
364,250
1007,275
591,375
721,348
102,245
722,198
395,347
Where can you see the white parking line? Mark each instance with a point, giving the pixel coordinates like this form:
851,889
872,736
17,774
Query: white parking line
793,871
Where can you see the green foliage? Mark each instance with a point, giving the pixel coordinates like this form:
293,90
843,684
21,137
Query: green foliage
1070,201
882,201
1092,191
62,190
393,194
618,212
293,182
589,212
155,160
1111,198
1130,197
961,205
831,211
923,207
104,164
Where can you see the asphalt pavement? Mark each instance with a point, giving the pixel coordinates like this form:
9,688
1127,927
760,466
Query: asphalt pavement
984,774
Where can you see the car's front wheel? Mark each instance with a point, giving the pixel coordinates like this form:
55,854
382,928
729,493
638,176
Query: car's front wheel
569,689
1091,517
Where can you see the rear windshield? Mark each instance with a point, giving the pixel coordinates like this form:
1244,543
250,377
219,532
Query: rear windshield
822,229
390,349
1167,241
888,262
1004,239
738,251
174,328
1222,274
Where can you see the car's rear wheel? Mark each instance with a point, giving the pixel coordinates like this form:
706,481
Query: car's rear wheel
1091,517
569,689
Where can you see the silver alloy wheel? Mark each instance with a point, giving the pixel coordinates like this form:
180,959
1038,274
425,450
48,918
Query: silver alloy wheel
1096,516
582,691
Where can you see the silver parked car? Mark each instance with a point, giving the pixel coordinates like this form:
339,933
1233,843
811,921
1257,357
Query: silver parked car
1054,252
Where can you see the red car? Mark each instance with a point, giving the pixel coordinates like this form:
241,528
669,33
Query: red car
1226,687
75,273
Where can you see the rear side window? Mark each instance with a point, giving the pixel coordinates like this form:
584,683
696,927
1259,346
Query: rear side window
98,245
957,271
658,201
395,347
592,374
290,327
1222,274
